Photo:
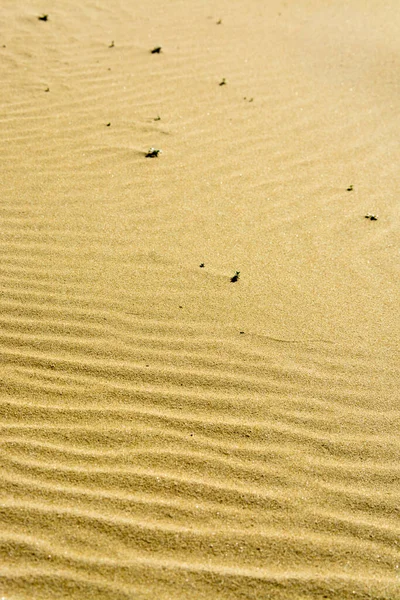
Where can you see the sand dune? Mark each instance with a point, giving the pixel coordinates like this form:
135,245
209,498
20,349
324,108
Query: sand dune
166,433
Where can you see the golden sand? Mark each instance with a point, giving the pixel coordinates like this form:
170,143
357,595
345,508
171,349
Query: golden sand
167,433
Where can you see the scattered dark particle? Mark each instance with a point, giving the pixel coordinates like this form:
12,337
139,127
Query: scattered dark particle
251,99
241,331
108,124
350,188
219,22
47,89
371,217
147,365
223,82
43,17
156,50
192,434
111,45
235,277
153,153
181,307
158,118
202,266
52,366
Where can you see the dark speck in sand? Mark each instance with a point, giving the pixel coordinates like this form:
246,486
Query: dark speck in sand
156,50
43,17
153,152
235,277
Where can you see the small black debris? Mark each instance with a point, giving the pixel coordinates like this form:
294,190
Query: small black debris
108,124
158,118
153,153
111,45
219,22
223,82
350,188
202,266
156,50
235,277
43,17
241,331
371,217
47,89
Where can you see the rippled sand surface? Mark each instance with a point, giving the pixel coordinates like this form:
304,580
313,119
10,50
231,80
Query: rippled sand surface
167,433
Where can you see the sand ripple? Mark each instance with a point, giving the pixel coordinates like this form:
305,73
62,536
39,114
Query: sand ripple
165,433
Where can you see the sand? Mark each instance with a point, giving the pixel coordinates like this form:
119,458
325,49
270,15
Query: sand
167,433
